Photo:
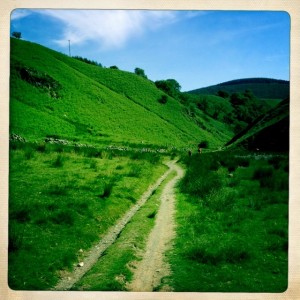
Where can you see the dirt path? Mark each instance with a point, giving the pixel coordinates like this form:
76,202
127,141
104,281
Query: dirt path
153,267
69,279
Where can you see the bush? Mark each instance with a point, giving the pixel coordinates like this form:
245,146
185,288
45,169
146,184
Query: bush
203,144
163,99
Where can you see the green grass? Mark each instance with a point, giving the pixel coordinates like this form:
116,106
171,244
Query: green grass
115,268
61,202
97,105
232,236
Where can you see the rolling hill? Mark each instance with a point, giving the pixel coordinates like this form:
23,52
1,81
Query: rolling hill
54,95
263,88
269,132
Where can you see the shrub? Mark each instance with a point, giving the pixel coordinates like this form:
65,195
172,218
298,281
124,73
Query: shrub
263,174
163,99
203,144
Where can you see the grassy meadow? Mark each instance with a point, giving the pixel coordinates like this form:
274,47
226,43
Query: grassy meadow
232,216
63,199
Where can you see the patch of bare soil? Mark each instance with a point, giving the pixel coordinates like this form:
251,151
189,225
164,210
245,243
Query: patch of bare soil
153,267
70,278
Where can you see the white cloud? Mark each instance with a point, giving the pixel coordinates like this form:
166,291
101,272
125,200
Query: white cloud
110,28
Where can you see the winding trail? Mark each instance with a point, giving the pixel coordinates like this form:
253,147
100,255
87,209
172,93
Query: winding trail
164,214
154,267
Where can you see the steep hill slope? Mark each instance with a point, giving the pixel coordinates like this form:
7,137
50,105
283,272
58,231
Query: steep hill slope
269,132
56,95
264,88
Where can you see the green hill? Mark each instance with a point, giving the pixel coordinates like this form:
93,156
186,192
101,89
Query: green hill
263,88
269,132
52,94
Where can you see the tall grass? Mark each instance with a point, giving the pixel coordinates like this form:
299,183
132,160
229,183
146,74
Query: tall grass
232,230
61,201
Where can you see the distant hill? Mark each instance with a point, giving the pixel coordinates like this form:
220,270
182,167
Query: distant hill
52,94
269,132
263,88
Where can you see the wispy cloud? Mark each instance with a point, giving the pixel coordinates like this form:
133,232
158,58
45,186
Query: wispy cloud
110,28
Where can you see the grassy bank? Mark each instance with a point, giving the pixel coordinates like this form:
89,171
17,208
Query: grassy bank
63,199
232,217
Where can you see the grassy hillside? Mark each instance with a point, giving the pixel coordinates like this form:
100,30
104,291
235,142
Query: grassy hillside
263,88
269,132
56,95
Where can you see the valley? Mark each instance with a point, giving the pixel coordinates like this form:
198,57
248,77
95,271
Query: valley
109,190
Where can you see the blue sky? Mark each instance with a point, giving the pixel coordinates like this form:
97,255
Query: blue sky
197,48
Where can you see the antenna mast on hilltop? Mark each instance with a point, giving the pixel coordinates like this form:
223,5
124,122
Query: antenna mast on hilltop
69,48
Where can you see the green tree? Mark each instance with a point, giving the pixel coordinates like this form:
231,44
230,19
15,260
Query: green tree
170,87
140,72
223,94
17,35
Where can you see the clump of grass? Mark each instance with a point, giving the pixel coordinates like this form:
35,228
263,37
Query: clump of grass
92,152
275,162
16,236
28,152
41,147
152,215
66,216
58,162
265,176
215,250
107,190
135,170
220,200
94,165
58,189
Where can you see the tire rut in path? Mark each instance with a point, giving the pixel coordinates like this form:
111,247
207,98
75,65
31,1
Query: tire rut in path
95,253
153,267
